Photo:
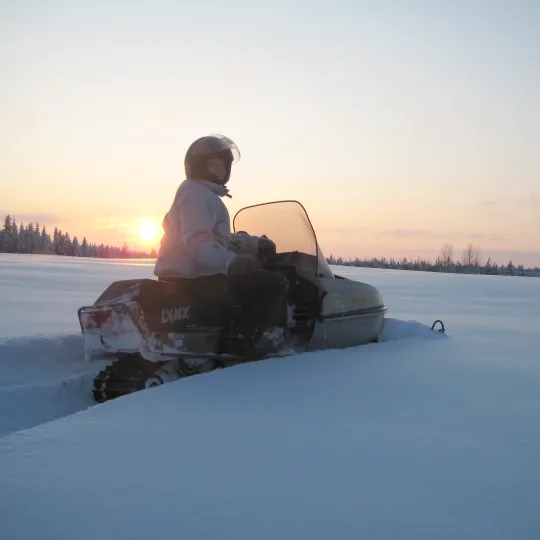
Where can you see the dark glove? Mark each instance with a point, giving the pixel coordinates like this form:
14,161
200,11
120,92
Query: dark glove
266,250
242,264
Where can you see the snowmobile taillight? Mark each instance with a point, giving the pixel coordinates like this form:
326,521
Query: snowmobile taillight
95,317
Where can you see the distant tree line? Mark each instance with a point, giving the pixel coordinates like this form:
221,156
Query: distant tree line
33,239
470,263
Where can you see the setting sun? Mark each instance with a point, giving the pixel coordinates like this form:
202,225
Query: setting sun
148,231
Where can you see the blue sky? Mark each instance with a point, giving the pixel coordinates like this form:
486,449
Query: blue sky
400,125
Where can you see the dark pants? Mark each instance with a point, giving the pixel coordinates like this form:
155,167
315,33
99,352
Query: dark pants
256,299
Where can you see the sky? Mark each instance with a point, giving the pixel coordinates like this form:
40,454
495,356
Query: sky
401,126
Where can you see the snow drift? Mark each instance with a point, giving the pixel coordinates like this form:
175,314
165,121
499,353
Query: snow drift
42,378
384,441
45,377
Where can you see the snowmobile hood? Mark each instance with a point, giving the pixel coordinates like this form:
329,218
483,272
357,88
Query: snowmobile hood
219,190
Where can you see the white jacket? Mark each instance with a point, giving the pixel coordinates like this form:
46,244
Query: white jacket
198,239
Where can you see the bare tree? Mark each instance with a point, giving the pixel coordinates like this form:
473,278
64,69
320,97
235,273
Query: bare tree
476,258
446,255
468,255
471,255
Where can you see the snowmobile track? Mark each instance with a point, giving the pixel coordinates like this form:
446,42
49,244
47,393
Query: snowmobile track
121,378
114,381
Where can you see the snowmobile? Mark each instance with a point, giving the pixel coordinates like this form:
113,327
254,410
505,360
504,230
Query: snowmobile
156,331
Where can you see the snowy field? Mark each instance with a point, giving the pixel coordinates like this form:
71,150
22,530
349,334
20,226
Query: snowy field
420,437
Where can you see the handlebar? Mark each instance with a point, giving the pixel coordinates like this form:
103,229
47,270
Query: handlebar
278,266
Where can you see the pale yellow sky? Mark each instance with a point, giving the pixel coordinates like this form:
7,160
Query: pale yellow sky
400,126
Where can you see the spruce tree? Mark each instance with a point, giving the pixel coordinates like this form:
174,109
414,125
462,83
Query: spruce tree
5,241
76,248
21,240
84,247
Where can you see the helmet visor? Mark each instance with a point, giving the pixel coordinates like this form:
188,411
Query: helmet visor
213,145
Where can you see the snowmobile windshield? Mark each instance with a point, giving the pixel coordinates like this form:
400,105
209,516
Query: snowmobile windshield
287,224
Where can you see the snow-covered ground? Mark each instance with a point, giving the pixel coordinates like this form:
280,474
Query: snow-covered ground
422,437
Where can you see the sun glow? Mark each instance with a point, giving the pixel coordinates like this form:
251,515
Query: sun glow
148,231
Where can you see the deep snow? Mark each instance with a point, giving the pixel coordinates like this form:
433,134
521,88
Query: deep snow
425,437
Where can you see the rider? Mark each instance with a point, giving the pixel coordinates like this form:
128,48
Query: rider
198,244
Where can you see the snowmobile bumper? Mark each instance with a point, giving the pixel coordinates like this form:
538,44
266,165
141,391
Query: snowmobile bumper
114,329
108,329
